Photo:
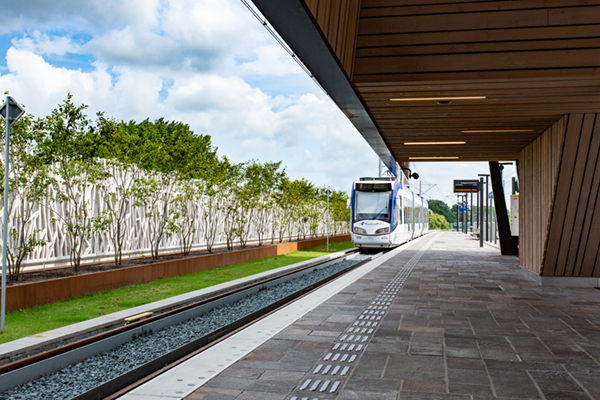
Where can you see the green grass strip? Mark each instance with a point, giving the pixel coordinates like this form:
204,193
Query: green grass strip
37,319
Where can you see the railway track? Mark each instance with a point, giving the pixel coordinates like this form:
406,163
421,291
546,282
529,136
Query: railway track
111,363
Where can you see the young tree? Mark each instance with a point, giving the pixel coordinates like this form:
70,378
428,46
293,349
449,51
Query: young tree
340,213
27,186
231,208
283,212
118,149
213,191
69,143
173,153
261,180
187,211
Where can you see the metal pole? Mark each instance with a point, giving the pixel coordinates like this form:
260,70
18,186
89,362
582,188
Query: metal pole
328,221
465,221
487,209
471,212
457,224
5,220
480,212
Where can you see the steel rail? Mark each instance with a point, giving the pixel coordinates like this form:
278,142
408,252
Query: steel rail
138,328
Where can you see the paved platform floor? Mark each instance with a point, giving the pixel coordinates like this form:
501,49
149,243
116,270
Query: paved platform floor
444,319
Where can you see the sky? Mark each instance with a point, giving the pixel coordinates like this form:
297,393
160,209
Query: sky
207,63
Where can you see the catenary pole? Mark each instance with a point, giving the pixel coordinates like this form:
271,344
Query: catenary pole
480,212
328,192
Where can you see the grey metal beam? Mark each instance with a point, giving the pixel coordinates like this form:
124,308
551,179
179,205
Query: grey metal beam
297,27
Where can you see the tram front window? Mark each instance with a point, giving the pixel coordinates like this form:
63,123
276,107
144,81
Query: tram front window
372,205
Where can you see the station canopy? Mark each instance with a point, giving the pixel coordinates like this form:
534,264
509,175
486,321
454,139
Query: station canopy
442,80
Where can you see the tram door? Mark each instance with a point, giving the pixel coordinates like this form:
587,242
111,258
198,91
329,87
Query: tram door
413,217
409,217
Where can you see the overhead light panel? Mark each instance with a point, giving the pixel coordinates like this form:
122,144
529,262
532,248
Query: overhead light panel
433,158
498,130
431,143
452,98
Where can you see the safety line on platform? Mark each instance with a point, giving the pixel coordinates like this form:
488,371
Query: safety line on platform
331,372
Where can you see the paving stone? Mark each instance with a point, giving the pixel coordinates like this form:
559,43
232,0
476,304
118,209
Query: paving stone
242,373
554,381
466,325
278,375
423,386
348,394
206,393
251,384
254,395
514,384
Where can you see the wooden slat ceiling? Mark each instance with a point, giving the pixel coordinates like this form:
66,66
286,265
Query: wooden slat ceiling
533,60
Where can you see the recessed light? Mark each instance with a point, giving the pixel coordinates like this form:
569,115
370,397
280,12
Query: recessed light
433,158
431,143
498,130
439,98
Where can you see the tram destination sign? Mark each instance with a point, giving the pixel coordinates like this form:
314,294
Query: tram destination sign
466,186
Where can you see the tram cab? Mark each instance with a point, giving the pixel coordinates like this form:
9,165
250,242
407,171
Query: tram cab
386,214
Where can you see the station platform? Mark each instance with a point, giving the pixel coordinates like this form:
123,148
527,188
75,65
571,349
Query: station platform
441,318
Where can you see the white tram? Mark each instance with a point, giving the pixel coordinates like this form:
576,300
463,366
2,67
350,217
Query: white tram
386,214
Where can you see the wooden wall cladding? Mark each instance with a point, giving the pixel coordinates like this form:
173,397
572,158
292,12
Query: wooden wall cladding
574,236
538,170
338,20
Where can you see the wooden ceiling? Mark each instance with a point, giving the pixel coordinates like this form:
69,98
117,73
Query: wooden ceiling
533,60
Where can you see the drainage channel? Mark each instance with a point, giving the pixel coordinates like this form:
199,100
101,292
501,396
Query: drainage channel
104,367
332,371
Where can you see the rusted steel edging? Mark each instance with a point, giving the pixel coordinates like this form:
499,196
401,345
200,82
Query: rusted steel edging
49,291
42,355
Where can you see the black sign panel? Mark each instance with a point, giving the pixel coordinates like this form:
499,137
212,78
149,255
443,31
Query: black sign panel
374,186
466,186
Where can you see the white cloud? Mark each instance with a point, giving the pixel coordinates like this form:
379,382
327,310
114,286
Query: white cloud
190,61
39,43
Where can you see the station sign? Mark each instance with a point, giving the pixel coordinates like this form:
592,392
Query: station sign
466,186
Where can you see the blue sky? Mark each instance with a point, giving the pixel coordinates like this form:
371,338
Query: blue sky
208,63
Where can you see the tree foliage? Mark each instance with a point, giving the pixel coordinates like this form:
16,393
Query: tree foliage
161,169
438,221
441,208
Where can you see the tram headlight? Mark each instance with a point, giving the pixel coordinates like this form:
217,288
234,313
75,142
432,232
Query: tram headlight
382,230
359,230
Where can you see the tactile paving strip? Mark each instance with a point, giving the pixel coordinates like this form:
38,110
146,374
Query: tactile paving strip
332,370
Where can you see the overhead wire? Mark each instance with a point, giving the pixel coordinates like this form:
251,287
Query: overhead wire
263,21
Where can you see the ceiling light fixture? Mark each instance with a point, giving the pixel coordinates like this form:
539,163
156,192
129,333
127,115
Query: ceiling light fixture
431,143
498,130
433,158
439,98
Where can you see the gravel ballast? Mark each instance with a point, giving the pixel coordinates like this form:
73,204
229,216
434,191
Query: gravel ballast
76,379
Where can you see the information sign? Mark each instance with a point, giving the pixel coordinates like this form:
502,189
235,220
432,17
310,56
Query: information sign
466,186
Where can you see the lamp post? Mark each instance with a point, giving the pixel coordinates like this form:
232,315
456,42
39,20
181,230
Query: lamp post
11,111
328,193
